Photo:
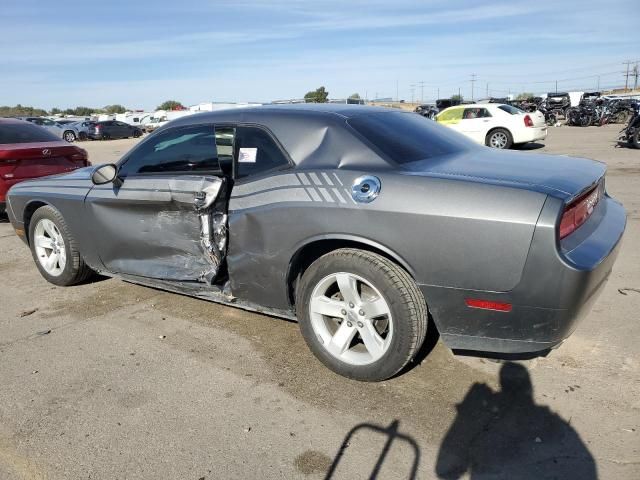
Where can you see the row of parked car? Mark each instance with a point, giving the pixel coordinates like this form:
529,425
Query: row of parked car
71,130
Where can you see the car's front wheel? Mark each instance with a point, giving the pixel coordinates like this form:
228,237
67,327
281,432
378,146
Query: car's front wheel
361,314
69,136
54,249
499,138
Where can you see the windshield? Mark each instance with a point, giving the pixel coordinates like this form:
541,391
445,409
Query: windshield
25,133
405,137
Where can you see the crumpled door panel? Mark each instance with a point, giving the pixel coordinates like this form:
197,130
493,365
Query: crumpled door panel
162,227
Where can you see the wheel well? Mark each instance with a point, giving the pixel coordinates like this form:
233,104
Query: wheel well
497,128
29,210
310,252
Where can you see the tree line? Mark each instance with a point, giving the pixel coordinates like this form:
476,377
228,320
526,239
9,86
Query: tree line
80,111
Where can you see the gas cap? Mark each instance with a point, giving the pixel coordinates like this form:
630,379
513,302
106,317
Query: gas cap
366,188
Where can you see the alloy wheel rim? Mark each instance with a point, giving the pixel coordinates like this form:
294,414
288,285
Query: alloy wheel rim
498,140
49,247
69,137
351,318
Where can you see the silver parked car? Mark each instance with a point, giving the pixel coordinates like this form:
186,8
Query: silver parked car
66,132
359,222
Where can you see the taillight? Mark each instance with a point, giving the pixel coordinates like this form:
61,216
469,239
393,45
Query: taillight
579,211
527,121
80,156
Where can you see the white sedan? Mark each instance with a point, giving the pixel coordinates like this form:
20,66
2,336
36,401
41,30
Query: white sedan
495,125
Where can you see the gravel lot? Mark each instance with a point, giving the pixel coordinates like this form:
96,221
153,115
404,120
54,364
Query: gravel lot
111,380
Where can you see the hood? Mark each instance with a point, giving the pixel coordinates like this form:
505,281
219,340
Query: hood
556,175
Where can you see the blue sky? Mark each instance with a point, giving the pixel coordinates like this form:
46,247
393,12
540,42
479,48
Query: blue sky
138,52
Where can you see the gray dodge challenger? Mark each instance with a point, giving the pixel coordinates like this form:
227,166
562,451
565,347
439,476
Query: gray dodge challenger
358,222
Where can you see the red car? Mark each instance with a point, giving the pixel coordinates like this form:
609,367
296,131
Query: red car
29,151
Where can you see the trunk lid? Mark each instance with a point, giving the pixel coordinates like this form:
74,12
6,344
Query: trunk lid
556,175
30,160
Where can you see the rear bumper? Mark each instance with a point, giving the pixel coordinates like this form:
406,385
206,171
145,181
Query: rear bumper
559,285
532,134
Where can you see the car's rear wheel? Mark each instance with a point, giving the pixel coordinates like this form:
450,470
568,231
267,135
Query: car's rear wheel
361,314
499,138
69,136
137,133
54,249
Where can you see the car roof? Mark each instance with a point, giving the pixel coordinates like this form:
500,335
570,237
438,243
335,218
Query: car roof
312,134
11,120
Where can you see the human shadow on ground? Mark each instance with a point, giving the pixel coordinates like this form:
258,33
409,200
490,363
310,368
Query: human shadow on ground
505,435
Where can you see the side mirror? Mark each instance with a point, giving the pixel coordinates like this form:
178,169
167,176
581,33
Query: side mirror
104,174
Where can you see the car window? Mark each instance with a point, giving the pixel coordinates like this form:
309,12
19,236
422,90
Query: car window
451,115
475,112
407,137
25,133
257,152
182,149
511,109
48,122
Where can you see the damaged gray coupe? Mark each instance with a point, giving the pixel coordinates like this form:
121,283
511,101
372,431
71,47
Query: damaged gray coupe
359,222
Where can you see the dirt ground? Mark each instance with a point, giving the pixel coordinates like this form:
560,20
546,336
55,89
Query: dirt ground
111,380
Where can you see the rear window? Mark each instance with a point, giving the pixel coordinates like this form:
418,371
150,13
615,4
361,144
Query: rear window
511,109
24,133
407,137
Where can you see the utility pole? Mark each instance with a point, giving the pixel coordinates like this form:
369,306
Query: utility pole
438,93
635,76
397,95
626,75
473,81
487,89
556,86
459,96
598,87
421,83
413,86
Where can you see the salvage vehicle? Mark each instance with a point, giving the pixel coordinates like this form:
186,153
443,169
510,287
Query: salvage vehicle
28,151
358,222
495,125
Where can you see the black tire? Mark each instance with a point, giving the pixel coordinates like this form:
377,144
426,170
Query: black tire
634,139
406,304
75,270
82,136
491,140
69,136
137,134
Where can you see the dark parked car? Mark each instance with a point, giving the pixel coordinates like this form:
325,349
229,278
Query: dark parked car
356,221
112,129
28,151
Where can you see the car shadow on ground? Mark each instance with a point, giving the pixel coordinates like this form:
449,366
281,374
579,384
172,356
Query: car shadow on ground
4,218
495,435
529,146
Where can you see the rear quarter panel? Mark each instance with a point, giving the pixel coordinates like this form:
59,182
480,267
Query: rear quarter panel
449,233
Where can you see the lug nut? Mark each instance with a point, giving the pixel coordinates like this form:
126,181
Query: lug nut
360,324
343,311
361,312
350,305
349,324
